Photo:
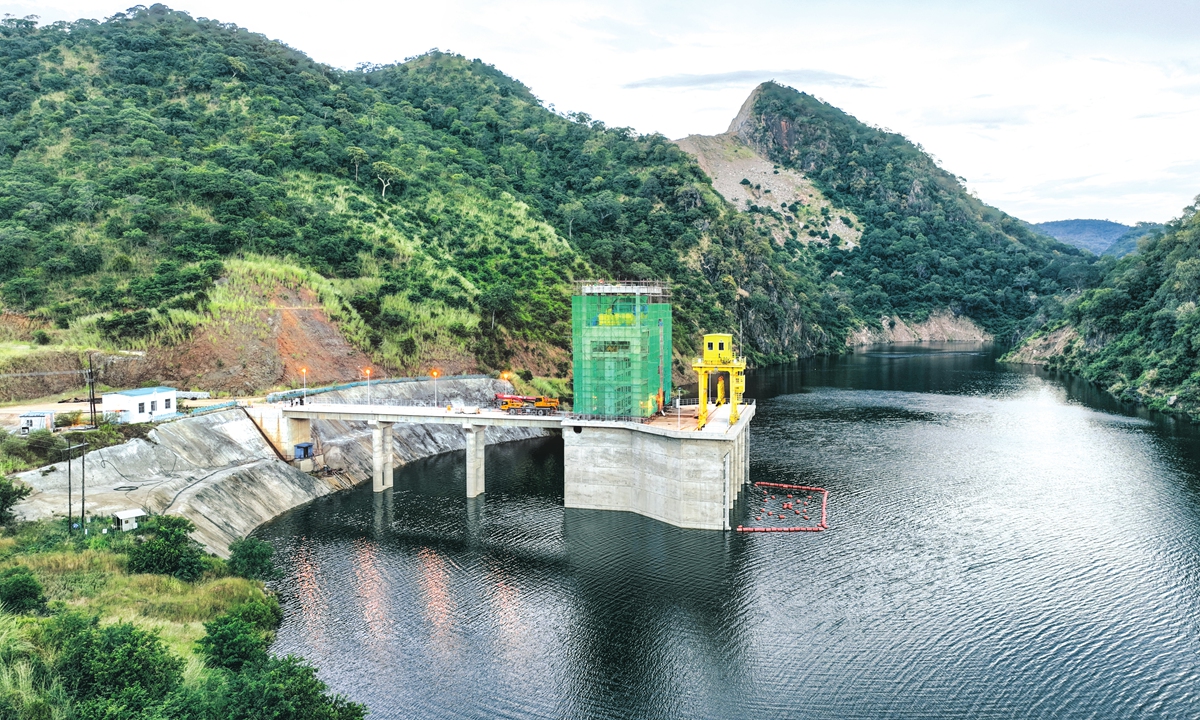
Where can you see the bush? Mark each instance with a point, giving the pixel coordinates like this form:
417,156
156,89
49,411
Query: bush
166,549
115,670
20,591
10,494
45,446
251,559
68,419
231,643
263,614
284,688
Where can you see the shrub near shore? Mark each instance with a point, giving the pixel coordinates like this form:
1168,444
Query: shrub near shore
87,638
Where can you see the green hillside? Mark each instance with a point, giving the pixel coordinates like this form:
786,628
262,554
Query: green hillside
927,243
1128,242
448,208
437,209
1138,334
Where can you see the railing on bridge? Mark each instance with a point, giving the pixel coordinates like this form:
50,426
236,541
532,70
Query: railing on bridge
683,402
301,392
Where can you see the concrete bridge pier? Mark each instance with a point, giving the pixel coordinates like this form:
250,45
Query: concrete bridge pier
476,445
381,455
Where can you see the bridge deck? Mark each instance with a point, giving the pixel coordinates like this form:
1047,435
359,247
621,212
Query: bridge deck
419,414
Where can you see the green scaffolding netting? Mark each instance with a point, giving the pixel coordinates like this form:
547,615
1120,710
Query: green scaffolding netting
622,355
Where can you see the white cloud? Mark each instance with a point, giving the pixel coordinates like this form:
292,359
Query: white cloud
1075,108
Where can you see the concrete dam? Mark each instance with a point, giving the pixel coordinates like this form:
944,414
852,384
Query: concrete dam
625,447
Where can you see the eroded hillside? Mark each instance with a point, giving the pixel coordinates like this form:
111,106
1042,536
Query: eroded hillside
781,200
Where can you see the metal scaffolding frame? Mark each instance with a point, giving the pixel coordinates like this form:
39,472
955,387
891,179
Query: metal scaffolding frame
621,342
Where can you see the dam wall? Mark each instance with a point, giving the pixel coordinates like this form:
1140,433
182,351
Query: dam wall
686,478
220,471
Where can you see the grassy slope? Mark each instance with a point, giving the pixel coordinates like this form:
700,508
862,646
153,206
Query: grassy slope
94,581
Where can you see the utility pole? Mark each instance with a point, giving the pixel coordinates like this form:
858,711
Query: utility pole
83,490
70,450
91,383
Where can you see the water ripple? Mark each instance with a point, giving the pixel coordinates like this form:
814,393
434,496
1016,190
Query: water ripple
998,549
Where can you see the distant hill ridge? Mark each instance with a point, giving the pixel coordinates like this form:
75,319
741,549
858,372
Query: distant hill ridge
1101,237
1094,235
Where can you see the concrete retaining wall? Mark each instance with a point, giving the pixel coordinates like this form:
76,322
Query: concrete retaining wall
685,479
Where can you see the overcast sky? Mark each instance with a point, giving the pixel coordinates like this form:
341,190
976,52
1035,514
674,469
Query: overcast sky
1050,110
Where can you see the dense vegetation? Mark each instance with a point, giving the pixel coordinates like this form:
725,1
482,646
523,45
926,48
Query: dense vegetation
927,244
83,637
1128,242
1139,331
450,209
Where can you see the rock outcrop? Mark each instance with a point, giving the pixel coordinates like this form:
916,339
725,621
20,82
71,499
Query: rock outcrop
1042,348
938,327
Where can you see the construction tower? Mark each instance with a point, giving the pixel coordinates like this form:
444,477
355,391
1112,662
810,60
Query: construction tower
621,343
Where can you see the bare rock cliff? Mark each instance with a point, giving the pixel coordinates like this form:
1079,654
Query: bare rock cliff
938,327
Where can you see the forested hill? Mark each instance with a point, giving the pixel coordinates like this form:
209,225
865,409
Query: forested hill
1138,334
166,181
927,243
446,211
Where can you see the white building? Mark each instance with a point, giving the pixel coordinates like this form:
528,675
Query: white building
126,520
141,405
36,421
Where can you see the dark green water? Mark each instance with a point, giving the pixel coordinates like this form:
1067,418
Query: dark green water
1002,544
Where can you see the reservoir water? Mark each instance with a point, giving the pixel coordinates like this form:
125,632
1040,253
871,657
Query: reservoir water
1002,544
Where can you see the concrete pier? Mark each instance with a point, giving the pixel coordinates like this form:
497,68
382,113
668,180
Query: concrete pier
687,478
476,445
381,455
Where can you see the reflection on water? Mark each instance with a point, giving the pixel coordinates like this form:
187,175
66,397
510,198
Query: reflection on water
999,547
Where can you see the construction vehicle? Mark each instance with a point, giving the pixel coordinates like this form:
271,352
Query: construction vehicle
527,404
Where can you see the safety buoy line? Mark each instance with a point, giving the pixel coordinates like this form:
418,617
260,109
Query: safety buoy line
824,524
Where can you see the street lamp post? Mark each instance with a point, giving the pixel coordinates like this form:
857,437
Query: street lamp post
368,371
304,375
434,374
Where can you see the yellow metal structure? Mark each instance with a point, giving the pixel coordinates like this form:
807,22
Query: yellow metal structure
718,357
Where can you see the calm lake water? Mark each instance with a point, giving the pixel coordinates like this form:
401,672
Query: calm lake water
1002,544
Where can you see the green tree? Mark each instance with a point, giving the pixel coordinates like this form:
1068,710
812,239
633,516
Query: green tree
11,493
231,643
497,299
284,688
166,548
357,156
386,174
24,292
116,664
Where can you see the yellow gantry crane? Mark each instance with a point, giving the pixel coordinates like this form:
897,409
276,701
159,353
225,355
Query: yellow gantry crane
718,358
